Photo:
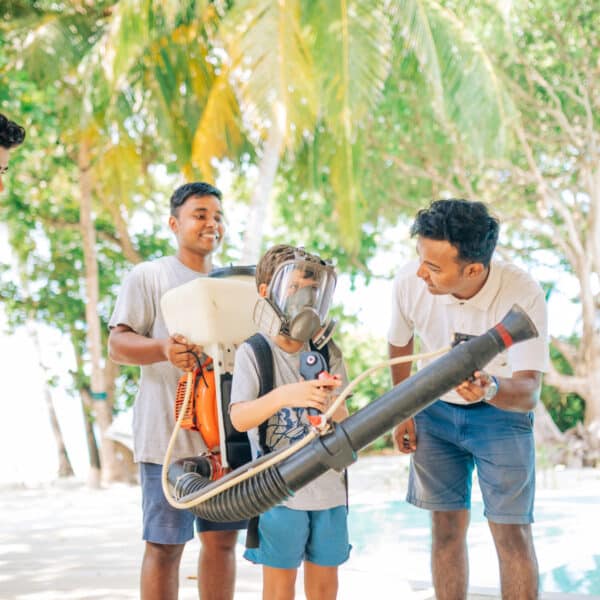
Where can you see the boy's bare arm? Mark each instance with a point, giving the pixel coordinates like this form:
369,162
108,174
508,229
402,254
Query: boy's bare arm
308,394
250,414
126,347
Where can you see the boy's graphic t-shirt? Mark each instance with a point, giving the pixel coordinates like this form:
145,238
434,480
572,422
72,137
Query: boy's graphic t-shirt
285,428
290,424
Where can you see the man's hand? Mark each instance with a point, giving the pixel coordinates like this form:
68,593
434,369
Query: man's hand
405,437
473,390
178,351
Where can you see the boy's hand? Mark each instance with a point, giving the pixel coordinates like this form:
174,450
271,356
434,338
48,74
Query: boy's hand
177,352
309,394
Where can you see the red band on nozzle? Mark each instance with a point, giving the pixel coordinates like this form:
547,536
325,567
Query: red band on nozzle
506,337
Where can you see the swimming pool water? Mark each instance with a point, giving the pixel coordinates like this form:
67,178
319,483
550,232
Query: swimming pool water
395,535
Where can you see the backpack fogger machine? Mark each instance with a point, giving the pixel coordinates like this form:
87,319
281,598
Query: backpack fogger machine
252,488
214,312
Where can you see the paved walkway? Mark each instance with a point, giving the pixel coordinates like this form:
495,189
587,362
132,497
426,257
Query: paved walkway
71,543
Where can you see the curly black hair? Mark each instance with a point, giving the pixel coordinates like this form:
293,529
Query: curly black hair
11,134
468,226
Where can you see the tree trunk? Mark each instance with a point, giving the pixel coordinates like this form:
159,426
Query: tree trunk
267,170
586,380
592,399
546,430
124,469
98,394
65,469
127,247
94,476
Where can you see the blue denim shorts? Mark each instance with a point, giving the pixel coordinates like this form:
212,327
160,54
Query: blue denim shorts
163,524
453,439
286,537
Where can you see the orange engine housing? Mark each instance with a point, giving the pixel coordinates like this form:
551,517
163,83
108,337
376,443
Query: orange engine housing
201,413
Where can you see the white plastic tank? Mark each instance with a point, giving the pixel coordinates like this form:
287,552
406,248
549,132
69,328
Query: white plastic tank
213,310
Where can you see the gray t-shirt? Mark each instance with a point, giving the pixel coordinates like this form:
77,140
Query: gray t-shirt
289,424
138,307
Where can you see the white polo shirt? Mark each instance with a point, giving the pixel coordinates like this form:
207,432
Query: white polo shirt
435,319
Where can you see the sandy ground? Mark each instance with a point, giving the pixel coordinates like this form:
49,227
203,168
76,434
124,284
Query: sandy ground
66,541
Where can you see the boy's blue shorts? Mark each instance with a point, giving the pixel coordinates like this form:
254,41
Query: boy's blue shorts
453,439
287,537
163,524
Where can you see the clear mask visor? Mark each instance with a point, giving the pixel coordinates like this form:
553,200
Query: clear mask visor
298,285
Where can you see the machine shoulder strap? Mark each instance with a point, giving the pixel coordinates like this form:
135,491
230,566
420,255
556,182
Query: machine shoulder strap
264,360
266,379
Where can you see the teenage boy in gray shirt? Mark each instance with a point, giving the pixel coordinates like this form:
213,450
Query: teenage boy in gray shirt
139,336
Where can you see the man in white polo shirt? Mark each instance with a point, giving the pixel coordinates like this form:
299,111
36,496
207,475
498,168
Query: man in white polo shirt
455,288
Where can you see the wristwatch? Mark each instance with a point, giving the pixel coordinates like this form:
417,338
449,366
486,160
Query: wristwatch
491,390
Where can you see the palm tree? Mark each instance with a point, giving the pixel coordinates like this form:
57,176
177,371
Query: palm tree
323,65
321,77
127,70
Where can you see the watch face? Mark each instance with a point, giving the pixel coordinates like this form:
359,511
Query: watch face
491,390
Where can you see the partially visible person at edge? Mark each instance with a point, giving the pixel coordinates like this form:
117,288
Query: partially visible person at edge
138,336
456,287
11,136
311,526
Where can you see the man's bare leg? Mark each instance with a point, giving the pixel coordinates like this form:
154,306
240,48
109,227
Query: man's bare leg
160,571
216,565
518,563
449,557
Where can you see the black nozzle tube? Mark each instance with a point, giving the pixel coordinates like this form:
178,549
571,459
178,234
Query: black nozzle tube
337,450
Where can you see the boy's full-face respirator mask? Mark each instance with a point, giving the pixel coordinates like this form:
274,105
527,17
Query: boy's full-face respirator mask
298,300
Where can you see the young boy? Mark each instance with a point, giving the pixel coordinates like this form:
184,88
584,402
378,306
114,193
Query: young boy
296,289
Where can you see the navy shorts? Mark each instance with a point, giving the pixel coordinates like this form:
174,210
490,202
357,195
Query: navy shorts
453,439
163,524
288,536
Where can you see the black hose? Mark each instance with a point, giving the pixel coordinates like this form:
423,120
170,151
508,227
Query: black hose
337,449
243,501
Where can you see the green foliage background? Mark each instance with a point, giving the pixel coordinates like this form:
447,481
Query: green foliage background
389,105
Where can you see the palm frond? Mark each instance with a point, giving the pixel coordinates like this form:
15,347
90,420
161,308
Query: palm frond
413,22
345,177
476,104
218,134
271,64
182,84
118,171
477,98
50,47
351,43
133,27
